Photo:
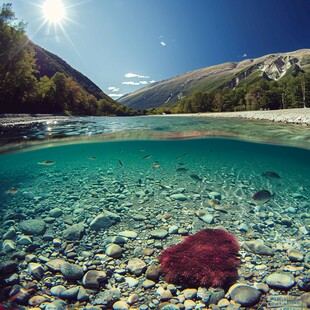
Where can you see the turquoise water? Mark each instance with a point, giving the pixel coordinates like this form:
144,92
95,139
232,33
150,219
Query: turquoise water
135,169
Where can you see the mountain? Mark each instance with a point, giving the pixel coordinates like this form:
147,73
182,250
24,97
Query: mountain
48,64
169,92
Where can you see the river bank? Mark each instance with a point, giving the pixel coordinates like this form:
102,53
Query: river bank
293,116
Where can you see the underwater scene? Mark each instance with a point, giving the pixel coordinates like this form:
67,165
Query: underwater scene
154,213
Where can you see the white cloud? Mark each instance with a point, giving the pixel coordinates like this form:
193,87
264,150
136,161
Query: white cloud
134,75
116,95
131,83
244,55
151,82
113,89
143,82
163,43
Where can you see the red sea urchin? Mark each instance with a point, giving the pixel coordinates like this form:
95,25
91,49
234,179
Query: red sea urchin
206,258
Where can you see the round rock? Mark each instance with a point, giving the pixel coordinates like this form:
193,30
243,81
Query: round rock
93,278
33,227
245,295
71,271
113,250
136,266
281,280
120,305
159,233
7,267
56,212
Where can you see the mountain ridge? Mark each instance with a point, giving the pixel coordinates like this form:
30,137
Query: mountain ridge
230,74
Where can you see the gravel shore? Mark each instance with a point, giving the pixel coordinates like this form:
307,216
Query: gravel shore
295,116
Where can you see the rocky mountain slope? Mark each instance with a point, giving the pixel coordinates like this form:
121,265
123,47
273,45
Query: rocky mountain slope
231,74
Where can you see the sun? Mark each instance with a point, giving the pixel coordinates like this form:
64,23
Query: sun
54,11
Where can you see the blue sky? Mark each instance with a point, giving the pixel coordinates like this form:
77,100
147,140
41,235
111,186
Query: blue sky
123,45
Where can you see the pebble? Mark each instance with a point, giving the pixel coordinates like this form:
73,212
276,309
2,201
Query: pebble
215,195
173,229
179,197
33,227
9,246
281,280
8,266
165,295
104,220
128,234
70,294
136,266
133,298
131,282
120,305
189,293
10,234
295,256
54,264
113,250
205,216
73,232
71,271
159,233
93,278
189,304
56,212
170,307
148,284
36,270
36,300
57,290
24,240
152,273
258,247
246,296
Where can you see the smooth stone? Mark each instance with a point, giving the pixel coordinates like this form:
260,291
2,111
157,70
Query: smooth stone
56,305
205,216
10,234
179,197
128,234
136,266
104,220
170,307
36,300
280,280
243,227
258,247
8,246
133,298
56,212
54,264
139,217
82,294
33,227
73,232
246,296
152,273
107,298
113,250
116,239
57,290
120,305
173,229
71,271
148,284
93,278
223,303
189,304
36,270
70,294
165,295
295,256
131,282
159,233
7,267
24,240
189,293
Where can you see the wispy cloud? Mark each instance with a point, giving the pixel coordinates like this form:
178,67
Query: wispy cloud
143,82
116,95
244,55
113,88
131,83
134,75
151,82
162,43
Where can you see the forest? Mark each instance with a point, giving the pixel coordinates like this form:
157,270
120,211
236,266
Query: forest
23,90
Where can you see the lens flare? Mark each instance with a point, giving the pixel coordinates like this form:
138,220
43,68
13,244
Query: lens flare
54,11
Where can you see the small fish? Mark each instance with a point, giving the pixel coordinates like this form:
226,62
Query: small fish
270,175
120,162
155,165
92,158
47,163
181,169
195,177
262,196
12,191
146,156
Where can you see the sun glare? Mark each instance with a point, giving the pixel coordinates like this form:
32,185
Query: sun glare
54,11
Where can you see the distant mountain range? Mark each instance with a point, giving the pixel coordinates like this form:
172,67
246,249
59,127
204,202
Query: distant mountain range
48,64
228,75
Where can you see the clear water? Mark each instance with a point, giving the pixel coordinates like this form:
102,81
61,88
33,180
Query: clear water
96,172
